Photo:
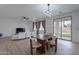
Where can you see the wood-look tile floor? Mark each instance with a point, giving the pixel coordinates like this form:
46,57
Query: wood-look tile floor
22,47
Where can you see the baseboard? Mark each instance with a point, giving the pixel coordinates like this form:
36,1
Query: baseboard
5,37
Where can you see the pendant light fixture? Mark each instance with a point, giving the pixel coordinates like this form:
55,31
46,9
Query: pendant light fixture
48,11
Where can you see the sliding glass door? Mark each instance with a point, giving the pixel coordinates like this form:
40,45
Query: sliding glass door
62,28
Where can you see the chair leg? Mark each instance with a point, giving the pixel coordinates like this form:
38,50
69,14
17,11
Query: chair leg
55,48
31,52
56,45
47,46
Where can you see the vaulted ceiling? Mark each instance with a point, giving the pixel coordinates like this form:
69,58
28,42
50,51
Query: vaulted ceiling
33,11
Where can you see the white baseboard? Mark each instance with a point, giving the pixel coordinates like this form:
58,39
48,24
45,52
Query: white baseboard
5,37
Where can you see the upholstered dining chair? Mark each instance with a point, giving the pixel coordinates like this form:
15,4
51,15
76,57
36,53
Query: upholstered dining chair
53,42
34,45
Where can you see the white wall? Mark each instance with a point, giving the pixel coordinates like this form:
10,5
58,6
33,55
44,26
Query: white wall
49,25
8,26
75,27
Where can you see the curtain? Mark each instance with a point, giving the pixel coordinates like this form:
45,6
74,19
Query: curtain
44,26
38,26
34,23
33,26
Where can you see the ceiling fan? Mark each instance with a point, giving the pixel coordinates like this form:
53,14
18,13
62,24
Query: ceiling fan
25,18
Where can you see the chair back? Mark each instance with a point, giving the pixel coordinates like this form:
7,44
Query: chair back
31,46
32,42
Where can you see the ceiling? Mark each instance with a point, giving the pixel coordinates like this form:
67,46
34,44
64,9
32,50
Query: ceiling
33,11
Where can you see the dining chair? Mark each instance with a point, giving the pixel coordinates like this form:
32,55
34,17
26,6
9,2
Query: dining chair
34,45
53,42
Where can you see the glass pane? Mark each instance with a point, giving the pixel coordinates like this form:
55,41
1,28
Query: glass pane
66,29
62,28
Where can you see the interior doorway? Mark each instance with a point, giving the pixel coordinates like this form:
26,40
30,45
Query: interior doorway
62,28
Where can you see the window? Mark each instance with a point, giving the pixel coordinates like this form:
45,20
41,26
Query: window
34,33
41,29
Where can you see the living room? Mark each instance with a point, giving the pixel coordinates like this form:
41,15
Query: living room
21,22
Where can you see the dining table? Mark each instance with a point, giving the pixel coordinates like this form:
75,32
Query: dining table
43,39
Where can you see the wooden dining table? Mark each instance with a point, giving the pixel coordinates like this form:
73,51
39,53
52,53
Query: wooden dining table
42,39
